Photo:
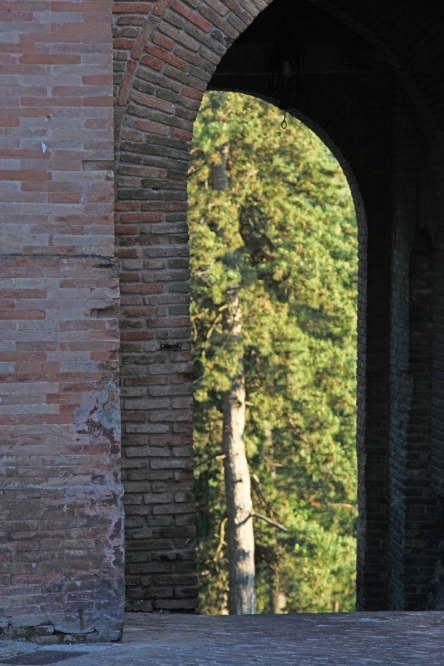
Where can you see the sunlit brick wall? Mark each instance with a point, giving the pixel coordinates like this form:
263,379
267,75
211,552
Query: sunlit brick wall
61,553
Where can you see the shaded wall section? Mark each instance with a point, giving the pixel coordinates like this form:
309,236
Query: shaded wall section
61,546
165,54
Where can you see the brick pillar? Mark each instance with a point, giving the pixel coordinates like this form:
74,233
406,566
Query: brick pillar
165,55
416,520
61,552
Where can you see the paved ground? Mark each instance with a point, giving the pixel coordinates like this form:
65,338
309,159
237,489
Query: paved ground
354,639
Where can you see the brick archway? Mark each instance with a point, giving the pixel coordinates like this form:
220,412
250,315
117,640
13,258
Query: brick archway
168,67
62,550
165,60
168,64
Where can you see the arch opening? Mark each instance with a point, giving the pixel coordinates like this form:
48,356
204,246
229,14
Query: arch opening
273,243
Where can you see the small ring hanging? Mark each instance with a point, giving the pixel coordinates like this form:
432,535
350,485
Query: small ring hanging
284,123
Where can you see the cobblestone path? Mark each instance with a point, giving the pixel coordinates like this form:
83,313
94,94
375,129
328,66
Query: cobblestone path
354,639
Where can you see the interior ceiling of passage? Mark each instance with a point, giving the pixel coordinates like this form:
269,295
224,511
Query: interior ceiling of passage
330,46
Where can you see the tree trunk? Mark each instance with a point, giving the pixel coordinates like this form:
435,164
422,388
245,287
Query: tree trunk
237,483
237,473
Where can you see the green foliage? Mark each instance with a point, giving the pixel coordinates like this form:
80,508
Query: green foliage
284,235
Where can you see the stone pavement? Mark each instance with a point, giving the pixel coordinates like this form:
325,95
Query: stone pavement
353,639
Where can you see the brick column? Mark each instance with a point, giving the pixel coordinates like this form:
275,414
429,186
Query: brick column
165,55
61,552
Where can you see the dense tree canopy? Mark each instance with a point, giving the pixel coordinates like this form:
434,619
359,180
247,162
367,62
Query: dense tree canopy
283,235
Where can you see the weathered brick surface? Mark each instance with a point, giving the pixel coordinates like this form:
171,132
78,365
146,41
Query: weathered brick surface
61,545
164,60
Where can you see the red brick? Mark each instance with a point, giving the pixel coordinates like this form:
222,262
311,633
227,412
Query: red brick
129,75
193,94
131,20
23,314
163,41
9,122
154,128
143,38
131,8
153,63
56,101
137,335
123,43
24,175
84,6
97,80
165,56
126,205
153,102
126,254
129,135
140,218
234,6
64,198
139,312
192,16
83,28
47,59
97,101
161,6
182,134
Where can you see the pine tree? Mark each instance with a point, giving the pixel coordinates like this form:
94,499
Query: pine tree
237,475
274,264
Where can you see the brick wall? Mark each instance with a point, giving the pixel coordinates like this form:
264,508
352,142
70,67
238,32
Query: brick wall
61,548
165,55
415,518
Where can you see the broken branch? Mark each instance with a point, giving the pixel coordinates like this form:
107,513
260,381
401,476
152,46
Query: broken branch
270,522
207,460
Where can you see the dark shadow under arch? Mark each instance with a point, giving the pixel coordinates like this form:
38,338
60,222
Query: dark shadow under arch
422,520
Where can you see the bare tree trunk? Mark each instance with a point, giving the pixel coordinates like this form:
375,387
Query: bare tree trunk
237,483
237,474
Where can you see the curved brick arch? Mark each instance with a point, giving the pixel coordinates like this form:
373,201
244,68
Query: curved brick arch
157,102
174,36
394,37
166,55
169,66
